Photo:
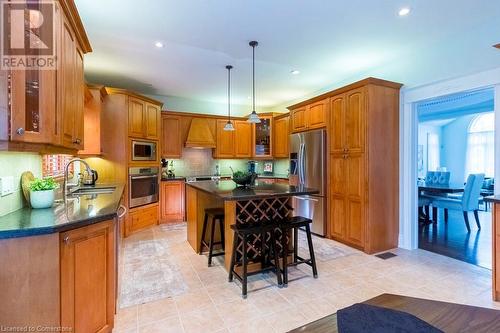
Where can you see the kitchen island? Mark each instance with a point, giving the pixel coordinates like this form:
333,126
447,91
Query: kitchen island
243,205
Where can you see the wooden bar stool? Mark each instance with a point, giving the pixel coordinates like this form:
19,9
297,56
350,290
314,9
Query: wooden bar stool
294,223
212,216
245,241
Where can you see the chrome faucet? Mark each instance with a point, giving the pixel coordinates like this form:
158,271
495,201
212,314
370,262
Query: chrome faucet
67,186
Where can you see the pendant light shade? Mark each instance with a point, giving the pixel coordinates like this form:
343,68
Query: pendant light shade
253,117
229,125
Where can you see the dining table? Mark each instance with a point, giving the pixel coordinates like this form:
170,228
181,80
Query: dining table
436,189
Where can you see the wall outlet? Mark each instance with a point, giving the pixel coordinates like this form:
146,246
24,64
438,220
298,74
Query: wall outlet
6,185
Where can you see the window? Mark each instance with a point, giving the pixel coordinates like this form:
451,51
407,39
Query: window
53,165
433,158
481,145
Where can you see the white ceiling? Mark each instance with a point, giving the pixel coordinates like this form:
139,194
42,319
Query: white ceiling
330,42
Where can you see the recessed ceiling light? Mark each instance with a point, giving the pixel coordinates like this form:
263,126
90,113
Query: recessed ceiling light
159,45
404,11
295,72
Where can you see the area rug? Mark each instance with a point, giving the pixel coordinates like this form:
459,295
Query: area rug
145,277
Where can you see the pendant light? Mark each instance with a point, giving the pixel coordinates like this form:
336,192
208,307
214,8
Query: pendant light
253,117
229,125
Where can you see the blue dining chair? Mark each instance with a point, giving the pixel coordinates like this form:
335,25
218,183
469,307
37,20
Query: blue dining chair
468,202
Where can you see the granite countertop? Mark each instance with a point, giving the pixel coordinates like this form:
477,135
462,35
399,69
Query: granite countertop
228,191
72,213
493,198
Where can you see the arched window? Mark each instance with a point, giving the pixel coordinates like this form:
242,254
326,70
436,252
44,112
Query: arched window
481,145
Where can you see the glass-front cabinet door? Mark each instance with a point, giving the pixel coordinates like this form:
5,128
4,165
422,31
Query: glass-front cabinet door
262,137
32,105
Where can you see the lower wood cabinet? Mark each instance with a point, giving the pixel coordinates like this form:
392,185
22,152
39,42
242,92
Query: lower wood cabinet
172,193
62,280
140,218
88,278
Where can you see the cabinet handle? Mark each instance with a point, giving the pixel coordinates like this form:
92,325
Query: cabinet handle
66,240
77,141
20,131
124,211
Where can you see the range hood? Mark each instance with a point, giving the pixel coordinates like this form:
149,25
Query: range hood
199,135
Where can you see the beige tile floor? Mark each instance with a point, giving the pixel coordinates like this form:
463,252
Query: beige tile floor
211,304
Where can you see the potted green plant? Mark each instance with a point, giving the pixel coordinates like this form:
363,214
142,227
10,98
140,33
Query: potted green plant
42,192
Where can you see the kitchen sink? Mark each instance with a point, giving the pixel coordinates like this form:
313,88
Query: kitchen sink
93,190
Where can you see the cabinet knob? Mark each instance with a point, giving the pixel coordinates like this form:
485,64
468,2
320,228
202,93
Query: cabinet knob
77,141
66,240
20,131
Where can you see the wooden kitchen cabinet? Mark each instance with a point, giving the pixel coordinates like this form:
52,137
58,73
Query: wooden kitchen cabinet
298,119
140,218
144,119
152,121
363,161
44,109
364,191
309,117
224,141
136,115
233,144
88,278
281,137
171,140
262,136
242,139
172,201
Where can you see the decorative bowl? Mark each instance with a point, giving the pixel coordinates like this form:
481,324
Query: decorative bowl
244,179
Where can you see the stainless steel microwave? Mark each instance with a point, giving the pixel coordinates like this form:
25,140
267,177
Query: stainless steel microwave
143,150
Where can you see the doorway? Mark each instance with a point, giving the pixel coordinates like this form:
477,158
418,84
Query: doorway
455,169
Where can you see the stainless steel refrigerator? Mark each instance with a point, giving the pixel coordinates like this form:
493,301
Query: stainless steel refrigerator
308,166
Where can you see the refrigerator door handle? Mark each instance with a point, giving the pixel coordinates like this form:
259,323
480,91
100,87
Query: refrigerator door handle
302,163
306,199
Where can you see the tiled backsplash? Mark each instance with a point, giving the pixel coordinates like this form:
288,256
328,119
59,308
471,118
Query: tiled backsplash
198,162
14,164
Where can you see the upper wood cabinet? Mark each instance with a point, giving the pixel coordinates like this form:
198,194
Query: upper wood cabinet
88,278
224,141
308,117
262,134
281,137
46,106
152,121
298,119
143,119
316,114
172,201
171,141
242,138
233,144
34,101
136,115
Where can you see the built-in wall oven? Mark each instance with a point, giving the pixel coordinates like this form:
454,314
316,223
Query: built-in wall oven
143,186
143,150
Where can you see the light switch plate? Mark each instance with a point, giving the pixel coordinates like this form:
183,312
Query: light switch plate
6,185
